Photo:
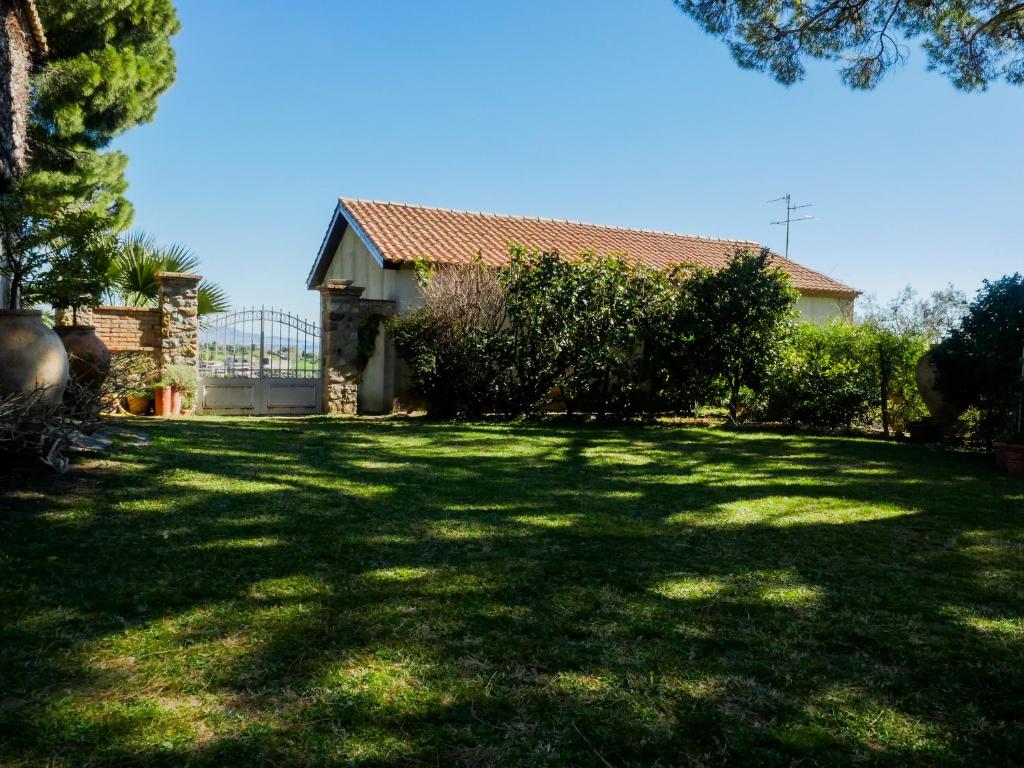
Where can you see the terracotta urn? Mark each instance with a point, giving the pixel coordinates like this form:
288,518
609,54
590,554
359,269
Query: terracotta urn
89,356
1010,457
138,406
937,403
162,401
32,358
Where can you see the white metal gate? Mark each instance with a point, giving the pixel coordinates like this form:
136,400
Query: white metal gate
259,362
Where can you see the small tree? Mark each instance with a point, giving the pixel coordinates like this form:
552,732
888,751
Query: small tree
79,263
980,363
539,289
739,316
53,251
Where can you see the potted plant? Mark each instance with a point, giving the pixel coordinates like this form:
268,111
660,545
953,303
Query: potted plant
138,400
183,381
133,383
33,362
161,398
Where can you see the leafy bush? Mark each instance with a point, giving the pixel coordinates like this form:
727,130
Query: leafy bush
738,319
183,378
979,364
823,377
455,345
600,334
584,329
841,374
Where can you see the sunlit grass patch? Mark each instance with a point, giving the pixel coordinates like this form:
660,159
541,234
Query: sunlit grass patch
783,511
400,592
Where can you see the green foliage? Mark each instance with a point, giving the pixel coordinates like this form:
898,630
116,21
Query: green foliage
79,263
932,318
109,61
455,345
585,328
980,363
183,378
840,375
369,328
138,264
972,42
599,334
738,318
823,377
55,251
895,357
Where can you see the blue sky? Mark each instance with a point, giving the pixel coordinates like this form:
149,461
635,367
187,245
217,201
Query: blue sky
610,111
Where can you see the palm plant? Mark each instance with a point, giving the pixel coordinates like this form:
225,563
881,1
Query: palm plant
139,262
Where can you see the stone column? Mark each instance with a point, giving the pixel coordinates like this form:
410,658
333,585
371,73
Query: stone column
343,310
339,344
179,319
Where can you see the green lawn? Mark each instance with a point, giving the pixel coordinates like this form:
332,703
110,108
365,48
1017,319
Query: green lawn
261,592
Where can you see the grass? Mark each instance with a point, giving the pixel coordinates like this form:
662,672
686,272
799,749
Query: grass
398,592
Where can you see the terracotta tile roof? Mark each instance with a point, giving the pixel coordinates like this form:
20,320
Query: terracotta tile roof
403,233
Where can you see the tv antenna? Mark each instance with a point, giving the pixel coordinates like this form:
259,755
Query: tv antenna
790,208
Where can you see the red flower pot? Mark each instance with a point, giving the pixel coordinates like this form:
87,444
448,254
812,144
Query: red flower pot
162,401
175,402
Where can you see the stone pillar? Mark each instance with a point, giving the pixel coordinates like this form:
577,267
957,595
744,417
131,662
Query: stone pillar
339,309
342,311
179,319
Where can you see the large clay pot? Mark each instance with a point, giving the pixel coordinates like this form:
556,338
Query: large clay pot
1010,457
162,401
936,403
90,357
138,406
32,358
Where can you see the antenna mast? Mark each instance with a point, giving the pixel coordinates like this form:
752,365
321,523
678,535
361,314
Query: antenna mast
790,208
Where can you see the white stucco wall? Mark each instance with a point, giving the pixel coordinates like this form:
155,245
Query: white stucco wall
381,379
821,310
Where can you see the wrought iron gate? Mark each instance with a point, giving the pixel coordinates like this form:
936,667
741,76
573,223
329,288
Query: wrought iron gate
259,362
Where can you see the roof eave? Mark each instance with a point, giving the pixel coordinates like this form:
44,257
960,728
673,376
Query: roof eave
340,221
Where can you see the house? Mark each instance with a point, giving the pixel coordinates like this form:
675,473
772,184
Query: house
368,256
22,43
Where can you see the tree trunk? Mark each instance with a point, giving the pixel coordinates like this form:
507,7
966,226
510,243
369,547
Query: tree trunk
884,368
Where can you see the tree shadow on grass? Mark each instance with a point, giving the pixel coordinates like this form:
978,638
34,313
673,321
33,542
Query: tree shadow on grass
402,592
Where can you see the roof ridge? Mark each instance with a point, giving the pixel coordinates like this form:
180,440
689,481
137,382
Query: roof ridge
520,217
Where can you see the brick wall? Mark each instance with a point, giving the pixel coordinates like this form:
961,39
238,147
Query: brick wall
128,329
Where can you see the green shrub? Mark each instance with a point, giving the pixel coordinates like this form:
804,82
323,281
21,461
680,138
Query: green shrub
823,377
455,346
840,375
585,328
735,321
980,363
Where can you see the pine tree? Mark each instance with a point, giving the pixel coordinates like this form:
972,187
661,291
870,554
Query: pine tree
109,62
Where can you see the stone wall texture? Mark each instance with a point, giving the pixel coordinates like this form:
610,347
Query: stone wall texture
342,311
179,319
